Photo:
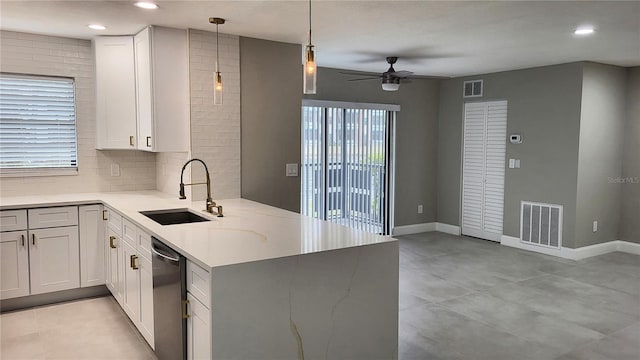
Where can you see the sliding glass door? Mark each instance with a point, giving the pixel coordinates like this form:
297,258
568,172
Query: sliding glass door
346,162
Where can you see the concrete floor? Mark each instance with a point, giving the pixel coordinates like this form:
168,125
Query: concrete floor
460,298
464,298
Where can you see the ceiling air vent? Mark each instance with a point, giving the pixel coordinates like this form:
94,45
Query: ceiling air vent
473,88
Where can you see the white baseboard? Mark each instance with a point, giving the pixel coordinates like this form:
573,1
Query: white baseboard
574,254
449,229
413,229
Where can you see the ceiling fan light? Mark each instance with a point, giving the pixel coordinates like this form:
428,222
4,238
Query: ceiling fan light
390,86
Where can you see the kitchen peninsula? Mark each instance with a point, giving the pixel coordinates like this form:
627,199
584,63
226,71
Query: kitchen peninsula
272,284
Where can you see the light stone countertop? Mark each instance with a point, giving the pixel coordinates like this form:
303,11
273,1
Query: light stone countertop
249,231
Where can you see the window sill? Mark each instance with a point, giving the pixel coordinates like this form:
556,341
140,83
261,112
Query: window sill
15,173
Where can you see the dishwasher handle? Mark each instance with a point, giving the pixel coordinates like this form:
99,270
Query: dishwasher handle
159,252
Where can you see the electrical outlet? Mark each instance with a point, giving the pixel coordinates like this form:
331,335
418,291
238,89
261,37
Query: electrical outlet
115,170
420,209
595,225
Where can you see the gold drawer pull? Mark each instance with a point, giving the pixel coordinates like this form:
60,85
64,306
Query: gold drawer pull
111,244
131,140
132,260
185,313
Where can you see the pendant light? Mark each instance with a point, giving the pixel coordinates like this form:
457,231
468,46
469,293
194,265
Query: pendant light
217,78
310,69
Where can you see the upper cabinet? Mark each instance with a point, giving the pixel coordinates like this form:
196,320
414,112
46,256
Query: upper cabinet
158,62
162,83
115,93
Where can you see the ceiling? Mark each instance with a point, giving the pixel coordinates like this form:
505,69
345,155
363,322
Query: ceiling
443,38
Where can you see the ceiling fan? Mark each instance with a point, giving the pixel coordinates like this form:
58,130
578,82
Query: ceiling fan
390,78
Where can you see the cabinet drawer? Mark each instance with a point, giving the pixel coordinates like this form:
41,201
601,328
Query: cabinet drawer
130,232
53,217
144,244
199,283
114,220
11,220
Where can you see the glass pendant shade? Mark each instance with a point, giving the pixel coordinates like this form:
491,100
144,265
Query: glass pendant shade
309,71
217,89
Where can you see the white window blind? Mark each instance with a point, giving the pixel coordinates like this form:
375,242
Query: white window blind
37,124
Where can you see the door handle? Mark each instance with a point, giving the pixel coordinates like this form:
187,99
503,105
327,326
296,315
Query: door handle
22,238
185,313
132,260
131,140
33,239
104,215
111,244
148,139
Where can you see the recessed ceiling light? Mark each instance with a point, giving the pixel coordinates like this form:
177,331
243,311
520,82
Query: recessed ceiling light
585,30
146,5
97,27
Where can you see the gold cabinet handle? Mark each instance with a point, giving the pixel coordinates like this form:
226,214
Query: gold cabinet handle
33,239
131,140
185,313
148,139
104,214
111,244
132,260
22,238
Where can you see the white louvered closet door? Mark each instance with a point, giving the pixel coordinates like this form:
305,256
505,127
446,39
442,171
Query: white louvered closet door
485,132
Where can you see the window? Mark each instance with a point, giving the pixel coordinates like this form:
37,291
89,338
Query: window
37,125
347,159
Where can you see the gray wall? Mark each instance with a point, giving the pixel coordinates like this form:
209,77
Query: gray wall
602,123
544,106
416,136
271,96
629,224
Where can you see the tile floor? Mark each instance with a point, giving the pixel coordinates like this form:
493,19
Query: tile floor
460,298
464,298
85,329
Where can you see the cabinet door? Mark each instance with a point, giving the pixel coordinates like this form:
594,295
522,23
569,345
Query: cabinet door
14,265
113,243
198,330
146,300
130,282
92,250
54,259
115,93
144,94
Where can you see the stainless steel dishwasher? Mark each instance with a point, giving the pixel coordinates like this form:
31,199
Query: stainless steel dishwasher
169,296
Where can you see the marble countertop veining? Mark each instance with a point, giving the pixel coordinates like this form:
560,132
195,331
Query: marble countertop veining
249,231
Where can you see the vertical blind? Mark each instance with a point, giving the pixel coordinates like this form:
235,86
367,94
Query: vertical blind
37,122
345,166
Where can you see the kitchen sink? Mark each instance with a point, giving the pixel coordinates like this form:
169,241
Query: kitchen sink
173,216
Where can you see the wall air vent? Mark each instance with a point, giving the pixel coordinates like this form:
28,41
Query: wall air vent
472,88
541,224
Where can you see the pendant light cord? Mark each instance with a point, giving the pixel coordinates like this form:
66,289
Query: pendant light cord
217,50
309,22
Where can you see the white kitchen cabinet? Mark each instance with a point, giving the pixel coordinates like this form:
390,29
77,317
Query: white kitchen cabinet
198,330
146,300
54,261
14,260
92,250
130,282
12,220
162,89
113,250
116,116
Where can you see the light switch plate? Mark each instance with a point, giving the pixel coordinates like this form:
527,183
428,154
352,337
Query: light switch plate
292,169
517,163
115,170
512,163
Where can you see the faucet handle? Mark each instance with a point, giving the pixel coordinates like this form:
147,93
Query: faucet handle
182,196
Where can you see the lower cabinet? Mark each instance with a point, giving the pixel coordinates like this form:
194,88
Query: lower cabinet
54,260
14,257
198,330
129,273
92,251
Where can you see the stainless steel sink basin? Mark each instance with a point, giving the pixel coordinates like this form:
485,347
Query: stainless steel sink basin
173,216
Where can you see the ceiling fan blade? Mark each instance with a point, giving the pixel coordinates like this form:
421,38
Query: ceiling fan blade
401,73
369,78
357,73
429,77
